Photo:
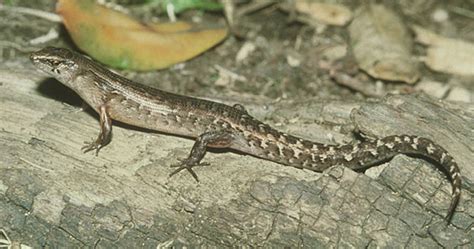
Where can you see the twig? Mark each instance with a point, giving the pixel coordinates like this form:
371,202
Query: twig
254,6
461,11
230,74
51,35
354,84
34,12
170,12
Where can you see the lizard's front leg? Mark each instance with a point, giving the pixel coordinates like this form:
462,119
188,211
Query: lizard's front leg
105,134
215,139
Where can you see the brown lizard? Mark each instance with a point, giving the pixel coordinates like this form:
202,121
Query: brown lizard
220,126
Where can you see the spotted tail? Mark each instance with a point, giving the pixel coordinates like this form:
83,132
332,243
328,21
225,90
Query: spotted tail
373,152
301,153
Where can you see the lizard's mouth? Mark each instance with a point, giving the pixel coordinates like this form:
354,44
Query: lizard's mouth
45,63
37,59
40,64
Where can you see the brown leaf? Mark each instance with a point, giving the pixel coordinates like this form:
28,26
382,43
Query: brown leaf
382,45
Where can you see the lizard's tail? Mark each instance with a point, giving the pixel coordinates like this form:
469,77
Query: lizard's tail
373,152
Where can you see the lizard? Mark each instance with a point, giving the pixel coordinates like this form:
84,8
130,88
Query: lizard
216,125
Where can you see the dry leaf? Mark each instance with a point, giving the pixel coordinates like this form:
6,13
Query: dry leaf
382,45
117,40
333,14
445,54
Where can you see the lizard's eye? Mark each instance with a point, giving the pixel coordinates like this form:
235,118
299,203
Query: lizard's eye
54,63
58,65
54,66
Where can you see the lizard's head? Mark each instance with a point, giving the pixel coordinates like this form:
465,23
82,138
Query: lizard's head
60,63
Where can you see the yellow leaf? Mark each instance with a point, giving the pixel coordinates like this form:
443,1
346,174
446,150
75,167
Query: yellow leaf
170,27
117,40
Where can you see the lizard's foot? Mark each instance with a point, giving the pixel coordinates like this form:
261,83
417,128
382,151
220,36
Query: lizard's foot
187,164
96,145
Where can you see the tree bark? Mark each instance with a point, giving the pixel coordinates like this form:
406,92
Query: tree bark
53,195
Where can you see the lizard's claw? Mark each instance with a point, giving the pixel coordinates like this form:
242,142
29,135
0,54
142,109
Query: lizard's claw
188,165
96,145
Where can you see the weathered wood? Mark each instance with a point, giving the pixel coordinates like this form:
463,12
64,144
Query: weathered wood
51,194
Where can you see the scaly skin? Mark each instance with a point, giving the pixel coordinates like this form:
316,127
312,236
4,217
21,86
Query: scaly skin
220,126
